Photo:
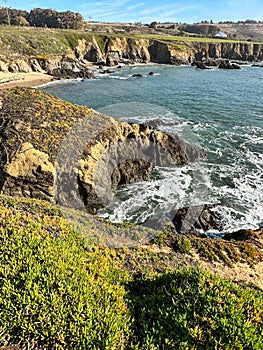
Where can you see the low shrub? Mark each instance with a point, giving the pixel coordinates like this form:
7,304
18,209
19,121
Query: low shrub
193,309
57,291
53,292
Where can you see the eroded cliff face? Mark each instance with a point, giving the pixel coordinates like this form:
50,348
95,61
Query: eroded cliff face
150,50
110,51
232,51
51,149
125,153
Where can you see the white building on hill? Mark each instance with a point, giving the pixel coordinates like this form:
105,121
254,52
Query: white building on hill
221,35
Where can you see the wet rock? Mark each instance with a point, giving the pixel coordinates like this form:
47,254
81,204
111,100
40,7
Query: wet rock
200,65
197,218
225,64
130,171
156,123
110,61
137,75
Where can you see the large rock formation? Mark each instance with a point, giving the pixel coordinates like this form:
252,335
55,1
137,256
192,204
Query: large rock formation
57,151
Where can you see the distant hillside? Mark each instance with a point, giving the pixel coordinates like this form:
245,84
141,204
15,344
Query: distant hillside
50,18
246,31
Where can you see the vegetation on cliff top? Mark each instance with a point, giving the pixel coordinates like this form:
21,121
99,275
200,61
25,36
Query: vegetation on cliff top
30,41
41,18
40,118
57,290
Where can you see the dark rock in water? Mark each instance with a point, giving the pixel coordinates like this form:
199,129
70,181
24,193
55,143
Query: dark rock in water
100,64
257,65
107,71
189,220
225,64
151,73
211,63
200,65
156,123
203,217
137,75
68,73
245,235
235,66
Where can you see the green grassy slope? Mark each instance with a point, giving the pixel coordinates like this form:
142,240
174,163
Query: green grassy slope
59,291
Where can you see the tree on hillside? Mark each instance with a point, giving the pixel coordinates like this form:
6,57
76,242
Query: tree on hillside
71,20
13,17
53,19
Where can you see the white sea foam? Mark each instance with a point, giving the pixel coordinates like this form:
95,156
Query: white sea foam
226,122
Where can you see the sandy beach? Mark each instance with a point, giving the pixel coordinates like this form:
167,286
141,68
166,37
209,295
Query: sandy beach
9,80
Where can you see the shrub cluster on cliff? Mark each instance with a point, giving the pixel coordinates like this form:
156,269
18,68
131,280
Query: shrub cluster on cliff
41,18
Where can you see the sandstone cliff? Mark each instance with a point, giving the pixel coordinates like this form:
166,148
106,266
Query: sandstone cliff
75,58
57,151
162,51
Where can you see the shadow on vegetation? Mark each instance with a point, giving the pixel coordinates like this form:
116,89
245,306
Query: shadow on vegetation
192,309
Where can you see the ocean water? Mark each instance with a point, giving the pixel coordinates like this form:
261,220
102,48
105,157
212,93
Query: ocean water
221,111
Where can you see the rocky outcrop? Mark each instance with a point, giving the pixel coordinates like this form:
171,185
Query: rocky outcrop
125,153
29,173
32,125
104,154
228,65
219,63
245,235
193,220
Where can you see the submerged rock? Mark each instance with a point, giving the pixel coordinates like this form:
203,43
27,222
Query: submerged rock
137,75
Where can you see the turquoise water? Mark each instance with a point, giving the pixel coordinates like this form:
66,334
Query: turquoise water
220,110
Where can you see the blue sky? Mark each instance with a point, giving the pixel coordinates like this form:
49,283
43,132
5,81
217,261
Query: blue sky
147,11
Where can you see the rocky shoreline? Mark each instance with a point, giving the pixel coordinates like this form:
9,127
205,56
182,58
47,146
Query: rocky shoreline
101,53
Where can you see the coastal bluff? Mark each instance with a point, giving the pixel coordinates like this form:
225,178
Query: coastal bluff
70,54
33,127
34,124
